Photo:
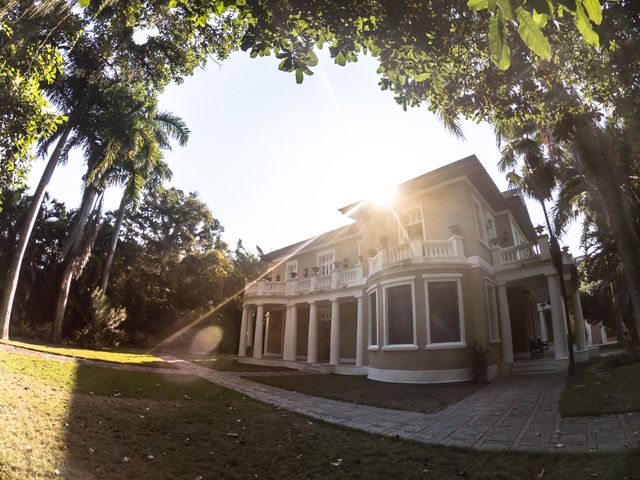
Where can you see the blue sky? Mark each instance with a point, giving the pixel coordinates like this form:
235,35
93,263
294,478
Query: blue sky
275,160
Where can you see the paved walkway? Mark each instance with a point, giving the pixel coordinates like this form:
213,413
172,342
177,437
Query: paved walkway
514,413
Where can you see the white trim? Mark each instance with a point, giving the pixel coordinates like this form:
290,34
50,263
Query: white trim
479,221
289,263
438,276
407,279
458,281
329,251
446,346
398,283
400,347
403,237
373,348
372,287
420,376
369,329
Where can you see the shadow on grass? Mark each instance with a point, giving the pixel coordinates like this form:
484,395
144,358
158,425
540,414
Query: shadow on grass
114,424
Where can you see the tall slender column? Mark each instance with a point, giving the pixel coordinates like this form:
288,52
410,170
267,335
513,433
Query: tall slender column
505,324
557,318
259,331
250,325
359,332
242,348
543,325
334,349
312,341
291,334
581,337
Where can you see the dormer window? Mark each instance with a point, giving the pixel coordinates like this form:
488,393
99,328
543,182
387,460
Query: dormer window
412,224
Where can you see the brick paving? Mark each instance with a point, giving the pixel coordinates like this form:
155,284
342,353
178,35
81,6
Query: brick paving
511,413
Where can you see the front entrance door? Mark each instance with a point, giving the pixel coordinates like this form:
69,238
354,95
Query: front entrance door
324,337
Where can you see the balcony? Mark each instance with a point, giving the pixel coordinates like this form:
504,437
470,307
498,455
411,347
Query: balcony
519,255
350,277
419,251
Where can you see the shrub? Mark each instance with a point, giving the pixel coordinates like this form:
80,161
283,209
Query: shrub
103,327
480,362
624,358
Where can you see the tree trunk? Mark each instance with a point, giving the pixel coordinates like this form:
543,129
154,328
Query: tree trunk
61,303
114,242
88,199
13,274
593,157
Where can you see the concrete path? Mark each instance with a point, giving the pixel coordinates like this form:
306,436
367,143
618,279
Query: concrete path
513,413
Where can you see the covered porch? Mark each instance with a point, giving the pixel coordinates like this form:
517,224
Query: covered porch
323,335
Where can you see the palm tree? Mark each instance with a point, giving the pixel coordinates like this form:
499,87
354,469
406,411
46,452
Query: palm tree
537,179
130,144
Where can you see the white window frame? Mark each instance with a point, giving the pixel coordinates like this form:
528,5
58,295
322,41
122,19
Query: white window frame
398,283
516,232
330,251
370,345
291,263
492,233
494,336
452,277
403,236
480,221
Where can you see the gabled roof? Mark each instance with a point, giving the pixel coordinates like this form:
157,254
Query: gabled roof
469,167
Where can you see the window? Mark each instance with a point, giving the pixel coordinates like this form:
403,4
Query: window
373,319
491,226
325,262
412,225
444,312
399,315
480,222
492,312
291,267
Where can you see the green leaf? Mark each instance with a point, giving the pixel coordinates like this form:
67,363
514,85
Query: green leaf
84,3
505,6
173,3
299,75
532,35
584,26
477,4
418,77
594,10
500,53
540,18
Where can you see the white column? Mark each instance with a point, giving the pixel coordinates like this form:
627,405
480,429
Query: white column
359,332
312,342
242,348
505,324
581,339
250,327
589,334
334,350
286,347
543,325
557,318
257,341
603,335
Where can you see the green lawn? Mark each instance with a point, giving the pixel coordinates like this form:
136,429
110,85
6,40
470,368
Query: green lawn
599,389
228,363
355,389
106,355
89,422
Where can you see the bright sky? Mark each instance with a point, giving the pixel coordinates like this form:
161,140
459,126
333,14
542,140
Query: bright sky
275,160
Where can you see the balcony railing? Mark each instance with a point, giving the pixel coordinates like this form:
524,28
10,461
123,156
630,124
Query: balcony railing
337,279
517,255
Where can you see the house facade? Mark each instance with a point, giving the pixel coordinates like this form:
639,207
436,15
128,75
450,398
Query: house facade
404,292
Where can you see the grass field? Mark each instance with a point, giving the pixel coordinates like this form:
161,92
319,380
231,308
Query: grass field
599,389
404,396
107,355
63,420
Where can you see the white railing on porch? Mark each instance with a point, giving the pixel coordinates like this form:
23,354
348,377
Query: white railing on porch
400,253
352,275
304,284
323,281
519,253
438,249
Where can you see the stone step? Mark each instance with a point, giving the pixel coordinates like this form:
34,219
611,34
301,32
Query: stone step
537,367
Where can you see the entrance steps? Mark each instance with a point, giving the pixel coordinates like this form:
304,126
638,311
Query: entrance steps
539,366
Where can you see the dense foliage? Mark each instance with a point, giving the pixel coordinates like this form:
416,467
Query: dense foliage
170,261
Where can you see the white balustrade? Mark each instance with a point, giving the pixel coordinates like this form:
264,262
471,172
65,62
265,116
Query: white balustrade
274,287
400,253
323,281
350,276
519,253
438,249
304,284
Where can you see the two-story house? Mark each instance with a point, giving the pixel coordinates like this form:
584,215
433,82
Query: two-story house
403,293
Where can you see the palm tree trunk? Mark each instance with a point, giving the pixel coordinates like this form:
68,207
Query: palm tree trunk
114,242
13,274
61,303
88,199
